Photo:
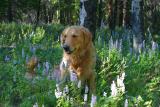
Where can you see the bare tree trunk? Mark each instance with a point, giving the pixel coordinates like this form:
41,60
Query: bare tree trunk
38,12
115,13
88,16
110,11
155,16
68,11
100,13
112,15
137,25
120,13
10,13
126,13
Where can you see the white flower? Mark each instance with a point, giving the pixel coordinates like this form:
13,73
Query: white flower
57,86
104,94
107,59
86,89
118,81
126,103
154,46
93,100
122,88
58,94
71,100
66,89
113,89
67,98
42,105
35,105
85,97
123,76
79,84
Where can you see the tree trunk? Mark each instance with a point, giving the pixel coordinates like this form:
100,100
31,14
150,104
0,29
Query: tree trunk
120,13
62,16
100,13
88,16
155,16
68,12
126,13
115,13
10,13
112,15
38,12
137,25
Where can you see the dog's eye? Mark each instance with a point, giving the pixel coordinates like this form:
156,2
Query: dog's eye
64,36
74,36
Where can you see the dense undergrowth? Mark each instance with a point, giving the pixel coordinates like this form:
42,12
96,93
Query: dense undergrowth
21,41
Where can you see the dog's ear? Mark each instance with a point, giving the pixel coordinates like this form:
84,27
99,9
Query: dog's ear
63,34
87,35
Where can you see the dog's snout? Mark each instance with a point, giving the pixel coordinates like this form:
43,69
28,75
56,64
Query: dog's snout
66,47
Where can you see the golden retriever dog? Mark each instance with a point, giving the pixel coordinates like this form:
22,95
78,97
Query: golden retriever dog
31,66
79,55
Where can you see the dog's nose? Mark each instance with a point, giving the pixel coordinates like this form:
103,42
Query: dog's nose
66,47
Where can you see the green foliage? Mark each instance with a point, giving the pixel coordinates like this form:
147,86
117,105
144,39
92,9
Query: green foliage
16,89
17,33
141,81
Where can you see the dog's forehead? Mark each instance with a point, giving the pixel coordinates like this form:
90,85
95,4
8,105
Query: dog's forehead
72,31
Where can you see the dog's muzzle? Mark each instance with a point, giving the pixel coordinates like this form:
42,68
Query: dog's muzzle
67,49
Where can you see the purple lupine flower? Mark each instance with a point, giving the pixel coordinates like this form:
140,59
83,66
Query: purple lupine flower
154,46
120,45
7,58
46,68
66,89
116,44
57,92
23,54
73,76
93,100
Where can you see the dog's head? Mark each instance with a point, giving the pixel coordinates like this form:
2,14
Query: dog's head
75,38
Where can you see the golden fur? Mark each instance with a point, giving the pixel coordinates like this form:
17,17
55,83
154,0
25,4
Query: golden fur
82,58
31,66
